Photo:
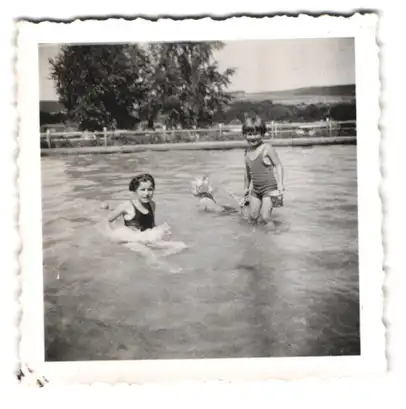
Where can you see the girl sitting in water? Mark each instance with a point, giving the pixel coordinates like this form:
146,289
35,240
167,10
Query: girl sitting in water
138,215
139,212
263,172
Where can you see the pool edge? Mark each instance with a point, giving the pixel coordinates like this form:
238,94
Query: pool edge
212,145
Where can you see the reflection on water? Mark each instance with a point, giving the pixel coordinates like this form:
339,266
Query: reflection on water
242,292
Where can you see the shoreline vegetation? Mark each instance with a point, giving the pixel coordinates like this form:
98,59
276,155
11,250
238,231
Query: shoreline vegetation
281,134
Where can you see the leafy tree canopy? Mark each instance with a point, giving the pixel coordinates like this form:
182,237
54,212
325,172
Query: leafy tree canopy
117,86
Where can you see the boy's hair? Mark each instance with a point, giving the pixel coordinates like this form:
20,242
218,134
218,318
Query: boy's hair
257,125
135,182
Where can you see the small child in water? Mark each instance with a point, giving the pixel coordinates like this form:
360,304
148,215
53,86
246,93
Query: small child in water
263,172
202,189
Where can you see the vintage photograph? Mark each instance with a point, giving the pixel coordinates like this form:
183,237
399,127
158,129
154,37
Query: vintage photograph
236,236
201,197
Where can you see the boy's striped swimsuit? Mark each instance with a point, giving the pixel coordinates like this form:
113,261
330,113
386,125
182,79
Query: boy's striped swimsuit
262,176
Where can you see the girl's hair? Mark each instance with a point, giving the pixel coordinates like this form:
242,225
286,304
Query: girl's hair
135,182
257,126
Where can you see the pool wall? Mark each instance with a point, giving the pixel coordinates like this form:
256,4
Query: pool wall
218,145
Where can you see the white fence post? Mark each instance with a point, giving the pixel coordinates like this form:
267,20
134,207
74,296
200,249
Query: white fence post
220,131
49,138
105,136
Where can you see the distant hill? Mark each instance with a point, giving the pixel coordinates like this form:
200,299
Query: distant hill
302,95
341,90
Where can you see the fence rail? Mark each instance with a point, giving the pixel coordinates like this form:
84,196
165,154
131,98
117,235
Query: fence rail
65,139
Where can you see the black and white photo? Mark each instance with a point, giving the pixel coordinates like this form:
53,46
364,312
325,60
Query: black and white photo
205,198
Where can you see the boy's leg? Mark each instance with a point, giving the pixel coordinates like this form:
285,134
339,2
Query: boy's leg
255,206
266,209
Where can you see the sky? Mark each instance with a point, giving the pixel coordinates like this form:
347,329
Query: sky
263,65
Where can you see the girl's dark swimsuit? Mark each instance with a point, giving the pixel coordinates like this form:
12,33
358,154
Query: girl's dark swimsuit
141,221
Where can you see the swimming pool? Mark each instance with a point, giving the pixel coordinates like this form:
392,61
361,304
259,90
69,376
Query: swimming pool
242,291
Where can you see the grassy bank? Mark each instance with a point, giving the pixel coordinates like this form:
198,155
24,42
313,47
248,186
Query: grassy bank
211,145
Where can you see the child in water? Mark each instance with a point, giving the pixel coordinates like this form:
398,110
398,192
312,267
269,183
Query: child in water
138,215
263,172
139,212
203,191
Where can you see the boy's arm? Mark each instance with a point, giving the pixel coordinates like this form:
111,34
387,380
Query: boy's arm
273,156
247,182
247,179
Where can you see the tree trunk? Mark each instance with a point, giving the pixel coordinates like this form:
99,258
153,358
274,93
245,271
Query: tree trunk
150,124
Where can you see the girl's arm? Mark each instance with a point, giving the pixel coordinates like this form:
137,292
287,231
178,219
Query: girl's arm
273,156
153,206
165,230
120,210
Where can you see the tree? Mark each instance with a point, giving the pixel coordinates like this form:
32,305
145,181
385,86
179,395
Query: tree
101,85
344,112
185,83
312,113
50,118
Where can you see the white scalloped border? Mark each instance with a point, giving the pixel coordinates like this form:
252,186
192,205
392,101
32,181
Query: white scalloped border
363,27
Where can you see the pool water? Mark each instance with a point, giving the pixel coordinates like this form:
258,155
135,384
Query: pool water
242,291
